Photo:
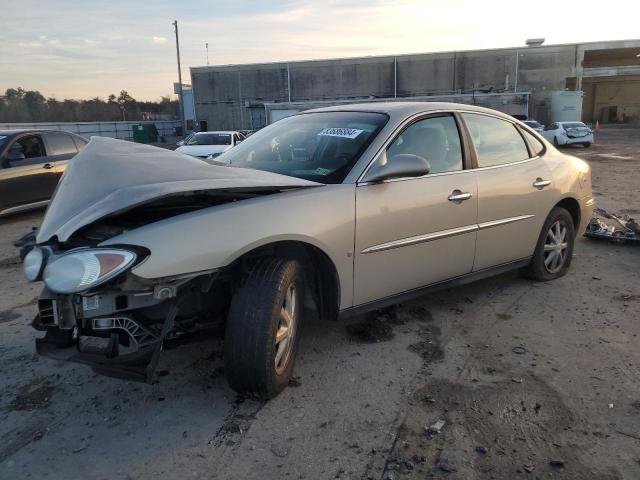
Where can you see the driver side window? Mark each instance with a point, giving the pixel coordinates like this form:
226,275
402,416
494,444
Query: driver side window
435,139
25,148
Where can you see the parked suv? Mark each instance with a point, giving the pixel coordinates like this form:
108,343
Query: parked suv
340,210
31,163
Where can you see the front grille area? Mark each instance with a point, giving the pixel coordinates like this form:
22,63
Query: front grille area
46,309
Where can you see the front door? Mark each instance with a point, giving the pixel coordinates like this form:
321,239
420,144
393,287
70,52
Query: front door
26,175
413,232
515,191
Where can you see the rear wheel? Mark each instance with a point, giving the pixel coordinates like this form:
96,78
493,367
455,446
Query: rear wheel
554,249
586,144
263,328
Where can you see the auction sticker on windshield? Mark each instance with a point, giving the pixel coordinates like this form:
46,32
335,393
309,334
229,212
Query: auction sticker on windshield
340,132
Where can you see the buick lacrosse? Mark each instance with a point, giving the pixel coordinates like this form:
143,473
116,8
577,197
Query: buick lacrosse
340,210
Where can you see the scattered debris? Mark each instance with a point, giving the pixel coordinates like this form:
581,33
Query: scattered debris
445,465
528,467
481,450
435,428
628,297
610,405
608,226
557,463
517,379
279,451
519,350
294,382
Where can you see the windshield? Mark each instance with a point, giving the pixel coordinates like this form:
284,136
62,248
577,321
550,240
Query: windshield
321,147
3,141
533,123
574,125
209,139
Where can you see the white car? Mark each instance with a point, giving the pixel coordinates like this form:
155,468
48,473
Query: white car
568,133
209,144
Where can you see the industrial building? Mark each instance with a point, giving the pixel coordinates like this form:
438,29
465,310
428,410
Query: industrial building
518,81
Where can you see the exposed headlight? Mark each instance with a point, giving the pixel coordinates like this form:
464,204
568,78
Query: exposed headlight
83,269
33,264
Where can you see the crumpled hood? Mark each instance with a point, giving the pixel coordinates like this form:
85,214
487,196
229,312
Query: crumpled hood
111,176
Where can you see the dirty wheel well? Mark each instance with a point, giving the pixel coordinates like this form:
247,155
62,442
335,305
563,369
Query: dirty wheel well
573,207
320,272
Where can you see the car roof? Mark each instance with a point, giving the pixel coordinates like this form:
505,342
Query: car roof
405,109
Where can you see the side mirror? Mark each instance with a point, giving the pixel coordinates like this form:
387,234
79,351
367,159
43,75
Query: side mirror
399,166
180,143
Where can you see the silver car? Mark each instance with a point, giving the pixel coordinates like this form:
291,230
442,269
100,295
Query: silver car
339,210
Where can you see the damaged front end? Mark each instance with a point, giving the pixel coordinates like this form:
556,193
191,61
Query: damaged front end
94,309
119,328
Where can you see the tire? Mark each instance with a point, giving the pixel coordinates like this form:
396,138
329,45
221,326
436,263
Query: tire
256,315
586,144
542,268
555,142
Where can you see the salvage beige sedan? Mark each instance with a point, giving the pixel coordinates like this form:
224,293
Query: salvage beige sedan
342,210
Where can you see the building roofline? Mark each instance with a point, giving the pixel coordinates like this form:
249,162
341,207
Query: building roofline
616,44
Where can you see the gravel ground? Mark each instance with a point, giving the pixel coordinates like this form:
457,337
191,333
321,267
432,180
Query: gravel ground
529,380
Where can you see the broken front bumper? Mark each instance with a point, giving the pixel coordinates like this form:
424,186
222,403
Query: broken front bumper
103,353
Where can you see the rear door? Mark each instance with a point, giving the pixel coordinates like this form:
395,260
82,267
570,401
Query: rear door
515,190
26,176
61,147
412,232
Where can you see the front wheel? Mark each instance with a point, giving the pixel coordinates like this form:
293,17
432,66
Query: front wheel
552,256
263,328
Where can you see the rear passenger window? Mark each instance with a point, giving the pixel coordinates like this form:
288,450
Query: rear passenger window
60,143
536,145
435,139
497,141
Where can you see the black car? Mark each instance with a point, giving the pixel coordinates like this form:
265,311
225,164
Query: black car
31,163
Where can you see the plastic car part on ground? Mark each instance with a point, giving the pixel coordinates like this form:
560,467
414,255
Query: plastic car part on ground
608,226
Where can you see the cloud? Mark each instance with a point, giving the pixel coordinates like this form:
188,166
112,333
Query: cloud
159,40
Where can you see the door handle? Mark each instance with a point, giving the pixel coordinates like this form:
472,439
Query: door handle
457,196
47,165
540,183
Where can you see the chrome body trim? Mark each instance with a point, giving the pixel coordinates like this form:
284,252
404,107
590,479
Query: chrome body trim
503,221
404,242
429,237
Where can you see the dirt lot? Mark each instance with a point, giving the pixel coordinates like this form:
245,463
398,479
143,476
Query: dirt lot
531,380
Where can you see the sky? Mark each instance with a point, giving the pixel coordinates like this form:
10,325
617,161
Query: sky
85,48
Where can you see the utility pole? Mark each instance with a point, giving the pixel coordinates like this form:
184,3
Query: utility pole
180,102
207,47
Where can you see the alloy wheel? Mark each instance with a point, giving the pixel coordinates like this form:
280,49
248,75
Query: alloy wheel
555,247
286,332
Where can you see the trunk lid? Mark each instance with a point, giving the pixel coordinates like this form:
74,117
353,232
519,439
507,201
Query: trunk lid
111,176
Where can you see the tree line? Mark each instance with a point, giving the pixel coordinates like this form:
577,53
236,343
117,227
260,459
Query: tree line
25,106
